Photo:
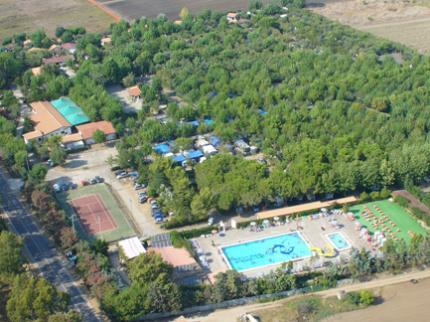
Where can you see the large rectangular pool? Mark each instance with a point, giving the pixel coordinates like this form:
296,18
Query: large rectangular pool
267,251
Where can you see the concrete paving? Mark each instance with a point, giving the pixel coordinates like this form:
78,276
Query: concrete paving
312,232
90,163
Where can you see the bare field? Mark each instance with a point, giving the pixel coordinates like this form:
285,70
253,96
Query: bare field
29,15
134,9
400,21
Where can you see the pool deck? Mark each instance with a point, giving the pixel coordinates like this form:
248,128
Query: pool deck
312,233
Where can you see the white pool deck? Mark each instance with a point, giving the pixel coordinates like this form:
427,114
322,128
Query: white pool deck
310,230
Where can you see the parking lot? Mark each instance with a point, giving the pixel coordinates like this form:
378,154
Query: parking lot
88,164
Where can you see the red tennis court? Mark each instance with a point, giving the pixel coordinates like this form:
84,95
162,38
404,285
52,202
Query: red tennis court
94,216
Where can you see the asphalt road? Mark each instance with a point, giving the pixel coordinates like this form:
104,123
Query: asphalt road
41,252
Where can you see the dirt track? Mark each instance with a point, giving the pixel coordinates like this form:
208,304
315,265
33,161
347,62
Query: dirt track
419,293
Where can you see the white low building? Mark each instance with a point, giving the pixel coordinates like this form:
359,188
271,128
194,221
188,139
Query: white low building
131,247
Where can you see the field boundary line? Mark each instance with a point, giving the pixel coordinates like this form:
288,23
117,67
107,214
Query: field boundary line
106,10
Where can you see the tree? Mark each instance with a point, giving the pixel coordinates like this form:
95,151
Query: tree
184,13
71,316
58,155
147,267
37,173
34,298
11,260
99,136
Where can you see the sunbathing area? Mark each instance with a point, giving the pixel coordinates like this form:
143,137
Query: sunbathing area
309,242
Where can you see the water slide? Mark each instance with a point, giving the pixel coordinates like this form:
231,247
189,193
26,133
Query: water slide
330,252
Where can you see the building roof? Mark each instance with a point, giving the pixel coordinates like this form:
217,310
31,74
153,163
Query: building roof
178,22
232,14
175,256
54,47
69,45
132,247
46,118
32,135
70,111
87,130
134,91
162,148
56,59
71,138
106,40
36,71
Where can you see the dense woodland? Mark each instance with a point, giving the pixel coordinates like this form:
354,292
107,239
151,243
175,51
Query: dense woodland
346,111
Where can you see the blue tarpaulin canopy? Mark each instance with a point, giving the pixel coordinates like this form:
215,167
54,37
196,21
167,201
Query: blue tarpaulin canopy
193,154
179,158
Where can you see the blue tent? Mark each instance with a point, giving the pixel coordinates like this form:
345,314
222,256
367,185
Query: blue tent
193,123
209,122
262,112
162,148
193,154
215,141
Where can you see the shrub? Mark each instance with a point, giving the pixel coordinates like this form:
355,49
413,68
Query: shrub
367,297
402,201
353,298
364,197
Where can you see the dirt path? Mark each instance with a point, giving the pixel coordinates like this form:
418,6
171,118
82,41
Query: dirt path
233,313
401,302
415,202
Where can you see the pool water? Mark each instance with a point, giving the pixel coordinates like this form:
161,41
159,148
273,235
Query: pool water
267,251
338,241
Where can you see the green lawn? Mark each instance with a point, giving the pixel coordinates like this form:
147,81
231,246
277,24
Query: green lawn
124,228
404,221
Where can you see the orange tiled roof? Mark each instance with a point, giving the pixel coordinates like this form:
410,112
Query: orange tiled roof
87,130
46,118
134,91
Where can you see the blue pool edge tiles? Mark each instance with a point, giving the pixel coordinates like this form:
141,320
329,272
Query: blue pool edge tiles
266,251
336,243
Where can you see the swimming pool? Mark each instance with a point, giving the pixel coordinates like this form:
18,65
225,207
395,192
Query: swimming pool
338,241
266,251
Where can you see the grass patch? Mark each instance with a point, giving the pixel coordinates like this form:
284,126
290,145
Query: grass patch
403,220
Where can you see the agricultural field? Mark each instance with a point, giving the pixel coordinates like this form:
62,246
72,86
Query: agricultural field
133,9
401,21
98,213
27,16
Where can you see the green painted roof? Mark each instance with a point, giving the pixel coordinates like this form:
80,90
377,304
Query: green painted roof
70,111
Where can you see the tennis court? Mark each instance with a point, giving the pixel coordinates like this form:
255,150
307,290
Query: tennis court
95,212
389,217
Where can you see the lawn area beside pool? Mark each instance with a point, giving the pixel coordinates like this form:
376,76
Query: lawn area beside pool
399,216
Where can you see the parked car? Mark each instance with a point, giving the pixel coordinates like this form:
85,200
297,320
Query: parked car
119,171
134,174
56,187
99,179
93,181
153,201
139,186
143,199
154,206
122,175
85,183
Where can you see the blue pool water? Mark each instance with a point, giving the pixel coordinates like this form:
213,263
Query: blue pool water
268,251
338,241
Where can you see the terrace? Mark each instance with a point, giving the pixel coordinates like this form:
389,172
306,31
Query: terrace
315,230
